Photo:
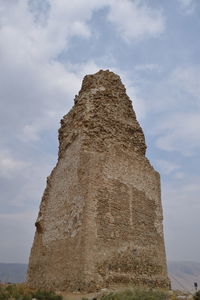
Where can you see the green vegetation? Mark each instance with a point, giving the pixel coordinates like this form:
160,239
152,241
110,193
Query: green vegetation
21,292
45,295
137,294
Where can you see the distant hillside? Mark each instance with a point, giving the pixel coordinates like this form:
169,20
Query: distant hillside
14,273
182,274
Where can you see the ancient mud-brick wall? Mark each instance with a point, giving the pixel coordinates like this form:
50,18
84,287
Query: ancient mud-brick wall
100,219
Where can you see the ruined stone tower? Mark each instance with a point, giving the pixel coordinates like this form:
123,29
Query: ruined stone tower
100,219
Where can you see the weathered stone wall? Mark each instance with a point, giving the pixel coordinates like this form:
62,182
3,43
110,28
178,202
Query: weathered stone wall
100,219
58,251
128,247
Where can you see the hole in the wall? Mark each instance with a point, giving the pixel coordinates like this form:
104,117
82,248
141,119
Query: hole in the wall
38,227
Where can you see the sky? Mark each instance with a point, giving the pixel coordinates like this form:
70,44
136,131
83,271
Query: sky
46,48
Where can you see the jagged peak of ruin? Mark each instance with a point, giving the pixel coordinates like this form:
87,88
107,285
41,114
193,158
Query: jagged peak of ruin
102,80
103,113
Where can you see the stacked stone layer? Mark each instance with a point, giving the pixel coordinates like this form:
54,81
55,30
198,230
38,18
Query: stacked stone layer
100,219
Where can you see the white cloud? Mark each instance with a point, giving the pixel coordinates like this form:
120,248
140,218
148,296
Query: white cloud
186,2
181,209
22,182
19,227
188,6
174,105
135,20
81,69
148,67
32,81
179,175
166,167
9,165
179,132
187,79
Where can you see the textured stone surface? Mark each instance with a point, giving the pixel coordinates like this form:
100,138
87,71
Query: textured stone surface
100,219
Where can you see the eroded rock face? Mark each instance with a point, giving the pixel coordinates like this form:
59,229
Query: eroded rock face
100,219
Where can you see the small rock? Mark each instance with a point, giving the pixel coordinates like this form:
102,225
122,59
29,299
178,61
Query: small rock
104,290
